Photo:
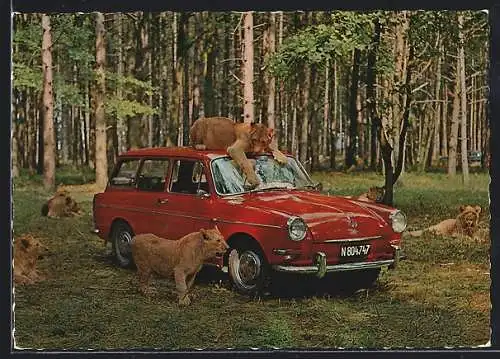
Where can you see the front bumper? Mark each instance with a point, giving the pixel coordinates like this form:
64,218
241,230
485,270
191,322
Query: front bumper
320,268
95,231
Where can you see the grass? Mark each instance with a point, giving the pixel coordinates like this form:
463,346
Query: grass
438,297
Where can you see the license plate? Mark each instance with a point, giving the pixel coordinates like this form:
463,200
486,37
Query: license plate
355,251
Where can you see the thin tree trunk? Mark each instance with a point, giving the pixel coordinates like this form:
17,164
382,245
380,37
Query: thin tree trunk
121,129
185,79
333,129
304,127
326,111
444,141
371,75
271,81
353,111
437,108
452,148
48,107
295,105
248,100
14,144
463,98
101,159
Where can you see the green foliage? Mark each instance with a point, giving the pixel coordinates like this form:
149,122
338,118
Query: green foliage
122,108
26,77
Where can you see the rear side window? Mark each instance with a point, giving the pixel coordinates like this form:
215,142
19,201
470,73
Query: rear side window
188,176
153,174
125,174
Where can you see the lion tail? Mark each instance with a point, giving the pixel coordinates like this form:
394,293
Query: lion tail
45,209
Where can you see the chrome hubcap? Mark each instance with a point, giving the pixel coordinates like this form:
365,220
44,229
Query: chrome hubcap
248,269
124,240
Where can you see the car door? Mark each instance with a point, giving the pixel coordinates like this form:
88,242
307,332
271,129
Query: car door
151,197
188,201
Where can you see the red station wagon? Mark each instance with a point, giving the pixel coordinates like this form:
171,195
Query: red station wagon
284,225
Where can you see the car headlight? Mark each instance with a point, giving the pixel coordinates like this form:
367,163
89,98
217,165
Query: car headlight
398,221
297,228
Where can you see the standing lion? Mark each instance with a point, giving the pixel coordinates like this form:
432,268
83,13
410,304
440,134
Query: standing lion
182,258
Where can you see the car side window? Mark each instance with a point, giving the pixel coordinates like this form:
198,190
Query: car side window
124,175
152,175
188,176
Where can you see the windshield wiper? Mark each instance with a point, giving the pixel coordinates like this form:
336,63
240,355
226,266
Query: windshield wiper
317,186
270,188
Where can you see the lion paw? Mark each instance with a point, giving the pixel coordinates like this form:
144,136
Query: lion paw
280,157
185,301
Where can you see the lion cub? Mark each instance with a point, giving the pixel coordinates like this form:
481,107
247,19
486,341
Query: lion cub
27,249
182,258
466,223
60,205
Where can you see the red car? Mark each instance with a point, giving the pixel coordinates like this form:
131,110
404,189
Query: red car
283,225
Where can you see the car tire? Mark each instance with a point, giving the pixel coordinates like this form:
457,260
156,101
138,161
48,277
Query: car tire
121,237
248,269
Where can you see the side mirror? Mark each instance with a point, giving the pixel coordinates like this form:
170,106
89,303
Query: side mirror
318,186
202,193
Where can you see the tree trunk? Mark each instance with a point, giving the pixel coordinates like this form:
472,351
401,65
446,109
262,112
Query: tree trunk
371,75
186,124
333,128
101,159
326,111
271,81
248,100
444,139
452,148
350,158
463,98
437,108
304,127
14,144
49,163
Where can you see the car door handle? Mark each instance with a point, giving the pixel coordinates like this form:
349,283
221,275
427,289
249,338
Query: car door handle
162,200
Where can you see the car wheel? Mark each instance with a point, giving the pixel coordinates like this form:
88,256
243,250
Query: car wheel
248,269
121,237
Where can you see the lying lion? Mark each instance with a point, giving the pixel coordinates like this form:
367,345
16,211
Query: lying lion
181,258
61,205
221,133
27,250
465,224
374,194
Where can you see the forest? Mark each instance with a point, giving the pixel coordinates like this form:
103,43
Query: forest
358,97
390,91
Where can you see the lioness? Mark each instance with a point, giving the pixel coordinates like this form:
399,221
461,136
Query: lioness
183,258
215,133
27,250
466,223
60,205
374,194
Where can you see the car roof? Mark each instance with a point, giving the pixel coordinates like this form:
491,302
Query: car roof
185,151
176,151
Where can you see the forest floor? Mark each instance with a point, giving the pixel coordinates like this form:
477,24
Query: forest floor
438,297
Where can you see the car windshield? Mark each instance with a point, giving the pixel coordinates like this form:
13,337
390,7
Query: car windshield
229,179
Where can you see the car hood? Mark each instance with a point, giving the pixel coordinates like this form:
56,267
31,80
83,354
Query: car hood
326,216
